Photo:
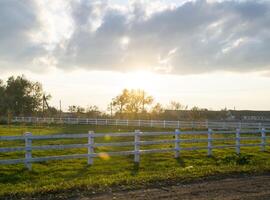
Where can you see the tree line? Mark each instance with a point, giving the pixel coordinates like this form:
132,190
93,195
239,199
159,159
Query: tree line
138,104
22,97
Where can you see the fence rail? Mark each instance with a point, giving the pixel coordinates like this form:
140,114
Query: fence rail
257,135
147,123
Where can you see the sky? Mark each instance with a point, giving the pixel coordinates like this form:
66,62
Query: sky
207,53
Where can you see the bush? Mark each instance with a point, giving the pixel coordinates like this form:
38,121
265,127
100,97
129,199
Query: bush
3,120
241,159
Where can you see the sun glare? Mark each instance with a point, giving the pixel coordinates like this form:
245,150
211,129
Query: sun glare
142,79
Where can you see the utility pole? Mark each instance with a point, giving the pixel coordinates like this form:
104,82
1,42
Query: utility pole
45,103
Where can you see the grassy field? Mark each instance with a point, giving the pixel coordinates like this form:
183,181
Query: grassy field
74,177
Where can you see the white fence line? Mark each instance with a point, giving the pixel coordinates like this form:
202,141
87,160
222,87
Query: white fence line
146,123
137,143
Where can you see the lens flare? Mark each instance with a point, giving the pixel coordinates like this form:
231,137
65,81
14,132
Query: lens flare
104,156
107,137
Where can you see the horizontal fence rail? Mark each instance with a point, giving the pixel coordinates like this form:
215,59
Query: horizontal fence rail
136,143
146,123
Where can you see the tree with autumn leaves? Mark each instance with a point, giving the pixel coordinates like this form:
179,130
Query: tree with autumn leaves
131,103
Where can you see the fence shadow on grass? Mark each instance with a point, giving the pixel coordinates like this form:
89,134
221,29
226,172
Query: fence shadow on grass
135,169
83,172
15,176
181,162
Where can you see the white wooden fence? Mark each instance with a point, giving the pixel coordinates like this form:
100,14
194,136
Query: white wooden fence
146,123
259,135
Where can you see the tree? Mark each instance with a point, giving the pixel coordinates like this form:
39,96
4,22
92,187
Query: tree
76,109
120,101
157,110
2,98
22,97
45,99
174,105
80,110
130,102
195,113
145,99
92,111
72,109
134,103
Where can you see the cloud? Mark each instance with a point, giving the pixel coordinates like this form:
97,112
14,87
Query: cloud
192,37
19,21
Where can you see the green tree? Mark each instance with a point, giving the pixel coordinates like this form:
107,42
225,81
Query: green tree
2,98
22,97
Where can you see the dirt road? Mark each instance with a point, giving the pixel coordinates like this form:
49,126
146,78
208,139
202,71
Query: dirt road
248,188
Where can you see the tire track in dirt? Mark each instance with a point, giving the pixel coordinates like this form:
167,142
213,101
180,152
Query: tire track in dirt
248,188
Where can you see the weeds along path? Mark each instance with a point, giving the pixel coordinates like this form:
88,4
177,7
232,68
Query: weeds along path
241,188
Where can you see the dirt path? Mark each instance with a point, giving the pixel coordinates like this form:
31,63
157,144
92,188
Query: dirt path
248,188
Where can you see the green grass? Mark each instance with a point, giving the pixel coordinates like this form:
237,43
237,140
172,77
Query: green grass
72,177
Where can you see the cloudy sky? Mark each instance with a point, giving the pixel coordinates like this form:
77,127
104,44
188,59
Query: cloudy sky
209,53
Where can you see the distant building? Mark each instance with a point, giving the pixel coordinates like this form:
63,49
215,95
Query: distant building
251,115
228,115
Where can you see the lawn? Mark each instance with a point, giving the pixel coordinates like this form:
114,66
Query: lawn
73,177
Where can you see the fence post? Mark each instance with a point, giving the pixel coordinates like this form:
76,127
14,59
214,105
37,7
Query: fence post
137,146
177,147
224,125
178,124
263,139
239,125
164,124
28,150
260,125
90,147
127,122
209,143
237,141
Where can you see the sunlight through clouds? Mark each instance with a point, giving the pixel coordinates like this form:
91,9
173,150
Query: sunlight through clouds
195,51
176,37
211,90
